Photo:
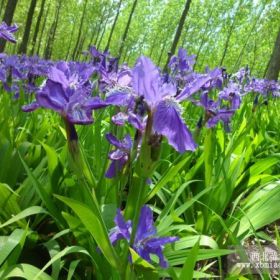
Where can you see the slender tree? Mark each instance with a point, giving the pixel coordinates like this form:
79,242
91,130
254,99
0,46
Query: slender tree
273,67
251,32
231,29
71,38
50,40
103,32
203,39
98,32
93,34
163,48
37,27
27,28
127,28
178,32
80,47
113,26
8,18
1,6
42,31
75,51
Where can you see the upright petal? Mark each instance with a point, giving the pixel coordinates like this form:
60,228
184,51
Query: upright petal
168,122
145,226
146,80
58,76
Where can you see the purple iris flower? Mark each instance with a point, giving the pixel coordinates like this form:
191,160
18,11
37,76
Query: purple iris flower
119,156
67,91
163,104
213,112
183,62
231,93
146,242
263,87
211,79
6,32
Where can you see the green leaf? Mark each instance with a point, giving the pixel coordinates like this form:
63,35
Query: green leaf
33,210
16,237
72,267
94,224
59,255
8,201
25,271
171,172
188,268
209,153
45,197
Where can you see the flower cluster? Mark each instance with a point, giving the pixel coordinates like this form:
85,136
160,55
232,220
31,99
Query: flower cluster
146,98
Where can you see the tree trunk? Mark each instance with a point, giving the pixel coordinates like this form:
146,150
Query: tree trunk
80,47
27,29
113,26
101,37
125,54
127,28
273,67
50,40
178,32
37,27
161,54
93,33
71,38
1,7
8,18
236,65
186,35
42,31
229,34
252,65
153,46
204,36
80,31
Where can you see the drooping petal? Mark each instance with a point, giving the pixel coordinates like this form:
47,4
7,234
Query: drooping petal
30,107
76,114
159,252
198,83
113,140
115,168
193,87
136,121
94,103
118,98
161,241
168,122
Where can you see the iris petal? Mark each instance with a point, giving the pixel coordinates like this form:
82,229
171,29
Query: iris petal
168,122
